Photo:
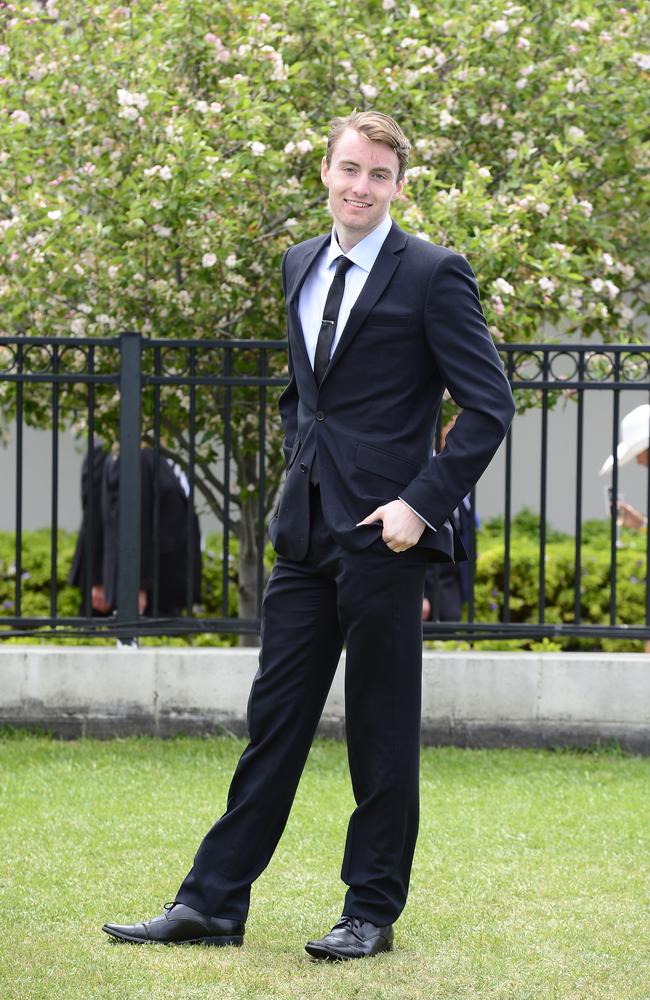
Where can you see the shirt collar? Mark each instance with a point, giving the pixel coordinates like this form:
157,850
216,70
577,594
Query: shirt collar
365,252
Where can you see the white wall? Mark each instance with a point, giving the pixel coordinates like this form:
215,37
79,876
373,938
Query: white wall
37,469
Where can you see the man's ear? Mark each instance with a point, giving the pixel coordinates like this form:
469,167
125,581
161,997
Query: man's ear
324,172
399,187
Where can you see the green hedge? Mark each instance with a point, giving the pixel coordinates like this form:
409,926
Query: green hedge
560,580
524,579
35,598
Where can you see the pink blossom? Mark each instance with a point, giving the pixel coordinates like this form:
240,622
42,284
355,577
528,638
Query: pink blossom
209,259
368,90
20,116
388,4
222,53
304,146
257,148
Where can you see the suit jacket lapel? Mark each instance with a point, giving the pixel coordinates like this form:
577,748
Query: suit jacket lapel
381,273
294,316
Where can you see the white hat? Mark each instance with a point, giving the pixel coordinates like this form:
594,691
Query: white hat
634,437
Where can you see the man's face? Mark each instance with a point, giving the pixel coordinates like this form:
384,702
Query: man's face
362,182
642,459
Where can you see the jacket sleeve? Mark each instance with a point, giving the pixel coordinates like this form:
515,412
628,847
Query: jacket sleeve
288,402
471,369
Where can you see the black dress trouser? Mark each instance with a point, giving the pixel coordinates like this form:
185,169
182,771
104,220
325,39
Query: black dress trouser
372,601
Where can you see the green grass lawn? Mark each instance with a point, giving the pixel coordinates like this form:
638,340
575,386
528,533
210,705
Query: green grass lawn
531,877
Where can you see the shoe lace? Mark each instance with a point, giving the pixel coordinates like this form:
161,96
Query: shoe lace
354,925
170,906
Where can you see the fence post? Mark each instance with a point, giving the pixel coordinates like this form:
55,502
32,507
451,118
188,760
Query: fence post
128,557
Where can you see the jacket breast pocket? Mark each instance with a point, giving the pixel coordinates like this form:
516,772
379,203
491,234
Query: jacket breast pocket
384,463
392,320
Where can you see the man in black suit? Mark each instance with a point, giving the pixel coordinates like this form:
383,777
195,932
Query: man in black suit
179,538
374,339
178,534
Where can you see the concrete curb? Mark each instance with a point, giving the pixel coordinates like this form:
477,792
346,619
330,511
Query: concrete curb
484,699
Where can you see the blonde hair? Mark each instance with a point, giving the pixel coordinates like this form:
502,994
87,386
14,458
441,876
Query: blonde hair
377,128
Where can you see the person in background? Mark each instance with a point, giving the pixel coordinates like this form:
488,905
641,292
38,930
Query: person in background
176,544
634,444
91,535
635,436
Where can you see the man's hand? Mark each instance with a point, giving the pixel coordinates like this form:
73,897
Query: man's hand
402,527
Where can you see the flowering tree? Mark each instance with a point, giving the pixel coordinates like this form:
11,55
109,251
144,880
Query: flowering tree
158,158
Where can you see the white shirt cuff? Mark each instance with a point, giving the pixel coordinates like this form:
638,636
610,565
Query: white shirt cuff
418,514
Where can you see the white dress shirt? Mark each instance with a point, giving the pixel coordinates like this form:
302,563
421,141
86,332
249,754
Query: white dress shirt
313,293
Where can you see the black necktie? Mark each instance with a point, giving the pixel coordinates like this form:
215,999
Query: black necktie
330,316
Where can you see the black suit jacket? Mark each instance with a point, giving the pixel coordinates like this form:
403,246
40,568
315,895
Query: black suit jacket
174,541
416,328
90,535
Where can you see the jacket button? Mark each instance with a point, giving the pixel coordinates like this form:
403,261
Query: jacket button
320,415
303,467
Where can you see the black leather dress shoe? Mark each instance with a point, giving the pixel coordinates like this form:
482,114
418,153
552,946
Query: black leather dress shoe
352,937
179,924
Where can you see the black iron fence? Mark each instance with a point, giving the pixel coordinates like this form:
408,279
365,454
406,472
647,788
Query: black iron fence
209,408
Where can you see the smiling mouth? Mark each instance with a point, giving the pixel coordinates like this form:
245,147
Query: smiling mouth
357,204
